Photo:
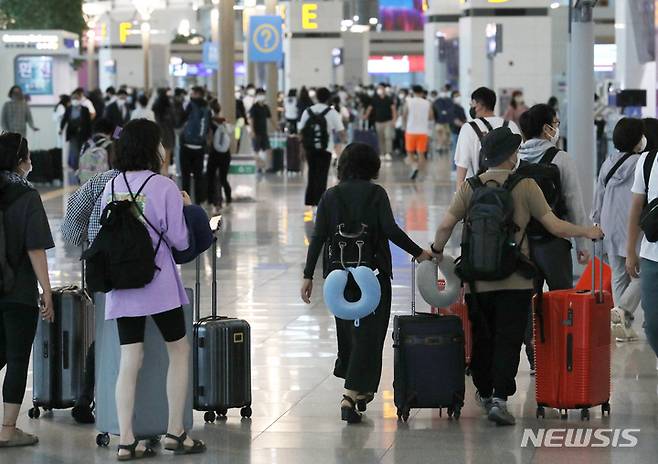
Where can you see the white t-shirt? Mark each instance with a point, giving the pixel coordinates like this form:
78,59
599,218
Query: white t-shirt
648,250
90,106
418,115
334,121
467,153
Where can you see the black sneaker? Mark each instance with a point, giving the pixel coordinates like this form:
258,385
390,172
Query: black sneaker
500,415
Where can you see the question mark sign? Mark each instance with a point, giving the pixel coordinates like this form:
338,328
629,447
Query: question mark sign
266,36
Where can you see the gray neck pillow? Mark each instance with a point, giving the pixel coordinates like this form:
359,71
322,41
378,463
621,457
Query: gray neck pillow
427,277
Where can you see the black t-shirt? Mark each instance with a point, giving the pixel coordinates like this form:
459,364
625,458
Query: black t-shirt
382,107
260,114
27,228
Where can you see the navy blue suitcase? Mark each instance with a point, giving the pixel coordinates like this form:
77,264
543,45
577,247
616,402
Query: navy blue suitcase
369,137
428,362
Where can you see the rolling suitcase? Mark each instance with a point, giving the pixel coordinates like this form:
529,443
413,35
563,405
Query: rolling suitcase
222,357
293,154
428,361
459,308
367,136
277,160
60,350
572,349
151,414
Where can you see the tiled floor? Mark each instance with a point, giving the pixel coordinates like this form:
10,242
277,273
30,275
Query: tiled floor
295,397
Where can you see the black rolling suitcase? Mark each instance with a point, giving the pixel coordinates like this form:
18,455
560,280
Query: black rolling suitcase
293,154
429,361
222,357
60,351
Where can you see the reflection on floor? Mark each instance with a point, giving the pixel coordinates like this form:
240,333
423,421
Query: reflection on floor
295,397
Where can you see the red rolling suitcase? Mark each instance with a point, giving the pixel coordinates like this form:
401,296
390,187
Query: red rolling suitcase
459,308
572,349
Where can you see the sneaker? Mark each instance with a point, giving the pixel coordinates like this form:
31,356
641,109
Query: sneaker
499,413
20,438
617,315
414,173
628,334
388,157
484,403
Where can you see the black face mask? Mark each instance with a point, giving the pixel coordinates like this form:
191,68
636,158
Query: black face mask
472,113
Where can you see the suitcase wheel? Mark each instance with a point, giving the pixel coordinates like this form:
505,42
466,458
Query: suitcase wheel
605,408
34,413
222,412
209,417
564,415
246,412
541,412
103,440
584,414
403,415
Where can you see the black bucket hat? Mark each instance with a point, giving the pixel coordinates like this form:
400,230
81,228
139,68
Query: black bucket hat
498,145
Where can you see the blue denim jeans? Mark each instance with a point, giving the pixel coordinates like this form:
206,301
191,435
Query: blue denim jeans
648,278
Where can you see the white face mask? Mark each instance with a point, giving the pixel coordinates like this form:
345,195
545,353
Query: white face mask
555,138
642,145
381,92
25,168
75,102
260,98
311,93
457,100
251,92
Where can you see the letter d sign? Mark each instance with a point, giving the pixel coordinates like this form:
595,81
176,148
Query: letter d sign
309,16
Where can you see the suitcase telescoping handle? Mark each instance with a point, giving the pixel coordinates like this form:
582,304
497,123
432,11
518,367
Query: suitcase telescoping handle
413,287
197,284
599,296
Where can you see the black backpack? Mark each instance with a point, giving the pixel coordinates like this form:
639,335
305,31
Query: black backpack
195,131
122,255
352,244
481,135
489,248
547,176
315,135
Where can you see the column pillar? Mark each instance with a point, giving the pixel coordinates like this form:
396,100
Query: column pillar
580,97
272,70
226,49
441,24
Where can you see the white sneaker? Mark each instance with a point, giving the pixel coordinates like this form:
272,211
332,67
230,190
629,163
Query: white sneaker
629,334
617,315
388,157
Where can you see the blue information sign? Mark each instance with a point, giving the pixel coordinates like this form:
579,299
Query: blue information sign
265,39
211,55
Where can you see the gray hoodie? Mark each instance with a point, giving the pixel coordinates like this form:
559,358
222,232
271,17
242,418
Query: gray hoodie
532,152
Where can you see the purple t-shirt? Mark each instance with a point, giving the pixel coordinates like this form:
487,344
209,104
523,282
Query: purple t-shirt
162,204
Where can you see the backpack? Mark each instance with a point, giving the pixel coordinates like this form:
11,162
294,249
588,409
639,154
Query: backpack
122,255
221,140
352,243
547,176
315,135
94,158
196,127
481,135
442,108
489,248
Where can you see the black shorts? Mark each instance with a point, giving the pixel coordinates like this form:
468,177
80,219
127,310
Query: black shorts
170,323
260,142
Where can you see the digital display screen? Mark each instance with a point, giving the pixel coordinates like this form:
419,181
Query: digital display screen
34,74
401,15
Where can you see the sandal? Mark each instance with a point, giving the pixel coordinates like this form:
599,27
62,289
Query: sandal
180,448
362,401
135,453
349,413
20,438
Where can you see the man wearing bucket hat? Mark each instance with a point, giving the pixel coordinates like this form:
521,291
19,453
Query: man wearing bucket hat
499,306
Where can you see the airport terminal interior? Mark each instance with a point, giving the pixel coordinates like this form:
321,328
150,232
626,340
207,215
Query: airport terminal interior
251,76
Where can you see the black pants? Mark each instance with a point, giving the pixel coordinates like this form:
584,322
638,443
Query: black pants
217,177
360,348
318,173
499,322
554,266
191,163
18,326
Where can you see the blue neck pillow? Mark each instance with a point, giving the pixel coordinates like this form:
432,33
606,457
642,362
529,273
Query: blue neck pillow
427,282
334,293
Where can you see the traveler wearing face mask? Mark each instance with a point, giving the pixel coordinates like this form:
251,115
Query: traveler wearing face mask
382,108
467,151
457,119
442,107
16,114
117,112
260,120
249,98
76,124
27,237
499,308
552,254
194,139
516,107
612,204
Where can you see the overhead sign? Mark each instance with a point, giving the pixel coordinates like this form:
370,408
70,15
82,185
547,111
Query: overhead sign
265,44
211,55
314,17
34,74
309,16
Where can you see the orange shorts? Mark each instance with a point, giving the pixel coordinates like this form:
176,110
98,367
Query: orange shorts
415,143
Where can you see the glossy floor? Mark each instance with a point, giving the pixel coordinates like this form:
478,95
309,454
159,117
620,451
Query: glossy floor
295,397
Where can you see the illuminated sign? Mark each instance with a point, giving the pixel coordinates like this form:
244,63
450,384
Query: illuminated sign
124,30
403,64
309,16
38,41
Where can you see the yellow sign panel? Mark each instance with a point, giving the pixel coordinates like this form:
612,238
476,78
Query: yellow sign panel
309,16
124,30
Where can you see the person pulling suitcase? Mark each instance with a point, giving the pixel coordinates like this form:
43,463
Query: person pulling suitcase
500,281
